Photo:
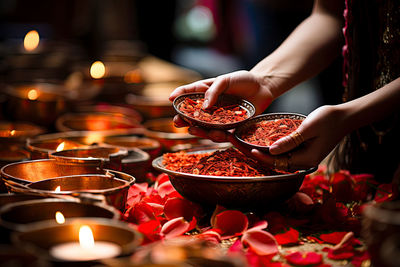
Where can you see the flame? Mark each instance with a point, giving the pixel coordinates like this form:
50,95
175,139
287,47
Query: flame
12,132
33,94
93,138
86,239
60,147
31,40
60,219
97,70
58,189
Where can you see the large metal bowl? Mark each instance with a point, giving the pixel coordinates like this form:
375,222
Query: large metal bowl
246,193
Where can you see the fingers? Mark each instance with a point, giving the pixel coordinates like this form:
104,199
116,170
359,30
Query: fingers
287,143
219,86
199,86
179,122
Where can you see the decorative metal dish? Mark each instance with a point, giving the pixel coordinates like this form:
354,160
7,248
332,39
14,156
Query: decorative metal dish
249,193
223,101
249,124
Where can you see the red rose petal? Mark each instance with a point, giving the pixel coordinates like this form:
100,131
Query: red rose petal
338,255
176,227
142,213
218,209
150,230
332,238
162,178
289,237
342,186
260,225
303,259
261,242
210,235
384,193
165,189
178,207
231,223
137,189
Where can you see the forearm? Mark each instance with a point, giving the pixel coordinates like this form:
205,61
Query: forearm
308,49
371,107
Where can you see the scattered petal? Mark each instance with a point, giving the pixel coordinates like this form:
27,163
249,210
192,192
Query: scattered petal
261,242
178,207
231,223
304,259
176,227
289,237
332,238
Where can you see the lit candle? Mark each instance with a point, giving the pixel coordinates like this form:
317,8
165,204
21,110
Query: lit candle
86,249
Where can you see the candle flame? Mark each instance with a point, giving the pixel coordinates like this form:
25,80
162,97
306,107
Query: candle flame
93,138
58,189
33,94
86,239
97,70
60,219
12,132
31,40
60,147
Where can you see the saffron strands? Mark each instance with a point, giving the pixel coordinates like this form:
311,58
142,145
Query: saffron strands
229,162
265,133
215,114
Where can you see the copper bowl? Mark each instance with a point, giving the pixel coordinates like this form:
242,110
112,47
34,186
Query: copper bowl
111,188
137,164
40,238
103,157
95,122
248,193
244,127
149,145
41,146
18,132
223,101
36,170
18,216
167,134
381,232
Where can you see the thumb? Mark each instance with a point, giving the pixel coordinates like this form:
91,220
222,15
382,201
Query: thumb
287,143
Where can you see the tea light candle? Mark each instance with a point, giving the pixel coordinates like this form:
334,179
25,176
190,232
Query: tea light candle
86,249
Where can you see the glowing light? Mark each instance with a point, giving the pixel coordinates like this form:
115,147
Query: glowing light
60,219
93,138
58,189
31,40
97,70
86,239
33,94
133,76
60,147
12,132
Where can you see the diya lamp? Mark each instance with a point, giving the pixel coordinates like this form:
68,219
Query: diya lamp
100,156
51,178
12,141
20,215
83,241
40,147
164,131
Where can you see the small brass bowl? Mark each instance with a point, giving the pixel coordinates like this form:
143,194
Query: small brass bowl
164,131
41,146
18,132
149,145
112,188
223,101
40,238
36,170
18,216
244,127
103,157
247,193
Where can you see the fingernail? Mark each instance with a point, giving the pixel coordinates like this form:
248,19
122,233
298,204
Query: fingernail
273,147
205,104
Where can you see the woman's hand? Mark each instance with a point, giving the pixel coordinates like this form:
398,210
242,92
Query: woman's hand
243,84
315,138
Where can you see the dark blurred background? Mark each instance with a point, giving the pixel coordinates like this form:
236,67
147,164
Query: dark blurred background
211,37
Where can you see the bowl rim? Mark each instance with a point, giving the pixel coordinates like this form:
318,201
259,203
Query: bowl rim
157,164
260,118
228,97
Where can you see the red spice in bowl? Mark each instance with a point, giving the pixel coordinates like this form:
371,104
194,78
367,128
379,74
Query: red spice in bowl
227,113
261,131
